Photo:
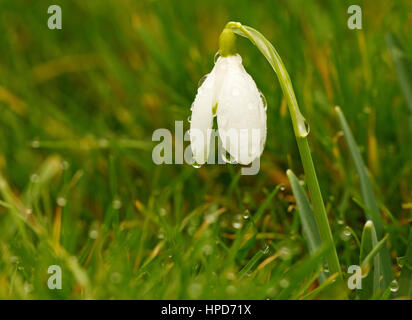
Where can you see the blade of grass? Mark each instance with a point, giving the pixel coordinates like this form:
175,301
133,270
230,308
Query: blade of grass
368,197
307,217
297,275
403,70
405,281
370,284
379,246
251,263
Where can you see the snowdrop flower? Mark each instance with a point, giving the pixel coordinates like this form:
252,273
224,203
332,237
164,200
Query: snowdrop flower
230,94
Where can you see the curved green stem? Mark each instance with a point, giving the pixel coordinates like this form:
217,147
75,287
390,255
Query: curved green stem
301,130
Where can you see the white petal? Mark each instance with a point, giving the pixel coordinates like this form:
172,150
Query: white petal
241,113
202,119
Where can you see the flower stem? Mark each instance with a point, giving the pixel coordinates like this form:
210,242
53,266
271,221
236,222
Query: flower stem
301,130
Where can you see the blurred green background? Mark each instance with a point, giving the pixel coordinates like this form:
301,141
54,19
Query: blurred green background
77,182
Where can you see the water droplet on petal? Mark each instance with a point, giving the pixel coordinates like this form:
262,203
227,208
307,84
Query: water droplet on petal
201,80
262,96
226,157
196,165
217,56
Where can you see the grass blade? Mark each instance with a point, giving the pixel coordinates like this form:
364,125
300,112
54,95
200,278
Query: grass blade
379,246
370,284
403,69
368,197
405,281
307,217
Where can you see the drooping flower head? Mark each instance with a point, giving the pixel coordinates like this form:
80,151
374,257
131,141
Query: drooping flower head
230,94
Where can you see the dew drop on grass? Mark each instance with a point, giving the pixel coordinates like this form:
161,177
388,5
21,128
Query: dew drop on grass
34,178
29,211
35,144
394,286
285,253
400,261
116,204
93,234
14,259
365,269
210,218
194,290
325,268
231,289
61,201
230,276
115,277
246,215
207,249
346,234
65,165
307,127
265,249
27,287
237,222
284,283
271,292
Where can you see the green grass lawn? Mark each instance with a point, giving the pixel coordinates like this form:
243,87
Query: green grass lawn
79,189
